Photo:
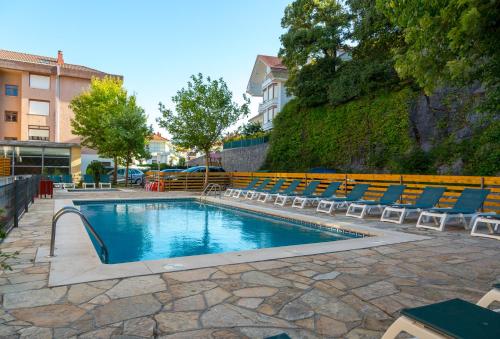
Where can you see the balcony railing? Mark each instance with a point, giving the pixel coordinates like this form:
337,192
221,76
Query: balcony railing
266,104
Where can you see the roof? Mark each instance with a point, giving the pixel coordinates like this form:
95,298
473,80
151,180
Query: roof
44,61
158,137
272,61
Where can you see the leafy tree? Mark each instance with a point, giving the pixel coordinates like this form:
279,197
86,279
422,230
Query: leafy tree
95,168
250,128
129,134
94,110
316,32
203,111
448,41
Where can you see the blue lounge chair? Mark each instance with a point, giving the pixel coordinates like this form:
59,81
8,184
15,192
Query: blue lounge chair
88,180
250,185
260,188
274,189
328,205
56,180
328,193
428,199
67,181
360,209
267,196
283,198
466,206
104,180
454,318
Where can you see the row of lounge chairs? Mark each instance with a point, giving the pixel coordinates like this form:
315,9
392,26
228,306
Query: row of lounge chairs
66,181
467,204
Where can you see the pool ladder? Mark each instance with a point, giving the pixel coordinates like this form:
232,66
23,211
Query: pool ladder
213,188
71,209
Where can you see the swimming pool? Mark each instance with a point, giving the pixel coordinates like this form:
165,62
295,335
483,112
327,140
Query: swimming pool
137,230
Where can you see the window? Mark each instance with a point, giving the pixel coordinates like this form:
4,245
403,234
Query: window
10,138
38,132
11,90
39,81
10,116
264,95
39,107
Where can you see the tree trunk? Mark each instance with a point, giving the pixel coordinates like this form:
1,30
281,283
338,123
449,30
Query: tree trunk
207,164
115,170
126,172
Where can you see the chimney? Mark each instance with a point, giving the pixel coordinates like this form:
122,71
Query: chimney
60,60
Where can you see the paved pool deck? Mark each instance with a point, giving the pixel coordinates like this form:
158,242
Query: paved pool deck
346,294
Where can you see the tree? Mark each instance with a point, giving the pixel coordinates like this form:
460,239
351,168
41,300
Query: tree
94,109
250,129
448,42
129,133
203,111
316,32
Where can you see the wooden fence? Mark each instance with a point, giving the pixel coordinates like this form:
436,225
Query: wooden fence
5,167
378,183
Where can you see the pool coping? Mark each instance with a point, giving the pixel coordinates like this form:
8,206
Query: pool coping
76,260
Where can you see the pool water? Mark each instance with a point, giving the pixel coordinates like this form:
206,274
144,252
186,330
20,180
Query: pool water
148,230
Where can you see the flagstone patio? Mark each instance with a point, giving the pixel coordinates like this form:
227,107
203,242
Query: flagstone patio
351,294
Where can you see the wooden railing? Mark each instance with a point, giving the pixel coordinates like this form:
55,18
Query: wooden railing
184,181
378,183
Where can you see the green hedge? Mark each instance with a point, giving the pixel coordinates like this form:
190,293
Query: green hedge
363,135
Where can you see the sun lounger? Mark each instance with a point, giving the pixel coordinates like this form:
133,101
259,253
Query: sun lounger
104,180
67,181
492,223
328,205
454,318
274,189
56,180
88,180
266,196
466,206
250,185
260,188
428,199
282,199
360,209
328,193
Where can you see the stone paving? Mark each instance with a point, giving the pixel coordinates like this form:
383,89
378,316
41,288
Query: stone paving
352,294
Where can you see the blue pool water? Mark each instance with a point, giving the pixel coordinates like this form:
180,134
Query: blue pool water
147,230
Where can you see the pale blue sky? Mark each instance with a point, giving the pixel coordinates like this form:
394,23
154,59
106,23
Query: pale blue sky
155,45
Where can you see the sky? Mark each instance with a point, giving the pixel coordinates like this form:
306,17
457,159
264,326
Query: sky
155,45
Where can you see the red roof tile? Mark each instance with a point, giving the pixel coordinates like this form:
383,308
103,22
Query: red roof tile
41,60
272,61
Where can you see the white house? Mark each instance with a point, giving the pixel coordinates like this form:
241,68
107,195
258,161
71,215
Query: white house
161,150
268,81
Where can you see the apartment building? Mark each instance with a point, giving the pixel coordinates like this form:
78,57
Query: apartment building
35,93
268,81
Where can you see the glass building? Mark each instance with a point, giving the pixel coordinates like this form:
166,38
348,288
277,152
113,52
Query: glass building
40,157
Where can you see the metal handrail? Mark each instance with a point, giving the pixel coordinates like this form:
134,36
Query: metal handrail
71,209
212,187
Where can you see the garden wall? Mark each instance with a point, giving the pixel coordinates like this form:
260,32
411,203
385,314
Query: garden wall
243,159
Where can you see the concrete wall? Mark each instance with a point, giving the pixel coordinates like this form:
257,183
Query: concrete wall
244,159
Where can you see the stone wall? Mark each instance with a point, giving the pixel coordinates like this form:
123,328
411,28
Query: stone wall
243,159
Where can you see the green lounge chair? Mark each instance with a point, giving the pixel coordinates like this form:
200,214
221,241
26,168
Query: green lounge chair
88,180
283,198
266,196
328,205
104,180
274,189
230,191
360,209
466,206
454,318
328,193
248,193
428,199
67,181
56,179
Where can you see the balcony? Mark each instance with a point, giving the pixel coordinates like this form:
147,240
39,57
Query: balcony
267,125
267,104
